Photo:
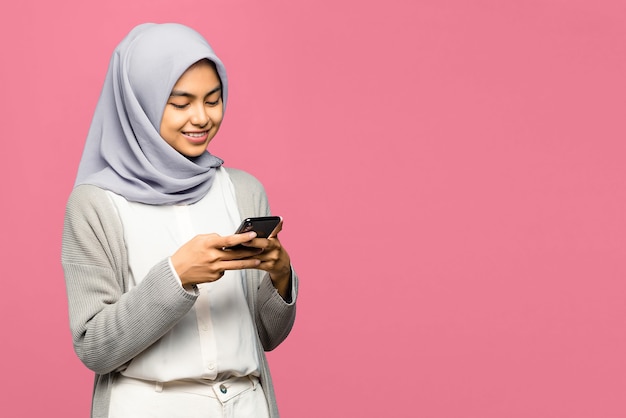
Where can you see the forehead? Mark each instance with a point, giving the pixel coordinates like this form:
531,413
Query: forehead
200,75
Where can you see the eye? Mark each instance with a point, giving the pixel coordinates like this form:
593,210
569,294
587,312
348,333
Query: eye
179,106
213,103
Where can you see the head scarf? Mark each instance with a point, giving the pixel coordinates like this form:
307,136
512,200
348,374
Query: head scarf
124,152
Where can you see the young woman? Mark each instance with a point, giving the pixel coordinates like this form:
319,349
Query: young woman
171,321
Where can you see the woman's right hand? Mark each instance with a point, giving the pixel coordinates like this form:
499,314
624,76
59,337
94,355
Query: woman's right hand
204,259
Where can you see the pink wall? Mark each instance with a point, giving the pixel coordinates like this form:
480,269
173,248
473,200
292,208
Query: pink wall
452,177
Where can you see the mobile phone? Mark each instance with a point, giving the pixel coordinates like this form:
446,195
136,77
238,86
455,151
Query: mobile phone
262,225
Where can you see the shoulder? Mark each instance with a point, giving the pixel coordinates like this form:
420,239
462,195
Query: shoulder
87,196
87,193
250,193
89,203
243,179
92,231
246,184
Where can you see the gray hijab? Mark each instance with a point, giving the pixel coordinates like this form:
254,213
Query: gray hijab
124,152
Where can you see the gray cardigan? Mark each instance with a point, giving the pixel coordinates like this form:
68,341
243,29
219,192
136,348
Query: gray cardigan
110,326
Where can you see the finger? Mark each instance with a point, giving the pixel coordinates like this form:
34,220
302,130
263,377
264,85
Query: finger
240,252
257,244
264,244
249,263
237,239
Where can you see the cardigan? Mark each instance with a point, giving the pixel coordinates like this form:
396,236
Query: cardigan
110,325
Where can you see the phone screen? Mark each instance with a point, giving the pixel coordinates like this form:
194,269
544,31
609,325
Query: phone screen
263,226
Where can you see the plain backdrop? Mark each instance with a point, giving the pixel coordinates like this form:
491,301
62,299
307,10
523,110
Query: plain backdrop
451,173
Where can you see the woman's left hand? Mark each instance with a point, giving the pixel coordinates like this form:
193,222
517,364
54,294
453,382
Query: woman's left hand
275,260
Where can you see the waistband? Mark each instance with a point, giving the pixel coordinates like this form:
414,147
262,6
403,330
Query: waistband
223,390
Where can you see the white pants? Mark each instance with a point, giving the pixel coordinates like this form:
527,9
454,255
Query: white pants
237,397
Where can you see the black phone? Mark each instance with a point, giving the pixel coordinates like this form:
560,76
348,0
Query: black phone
262,225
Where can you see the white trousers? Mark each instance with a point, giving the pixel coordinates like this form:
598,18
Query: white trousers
239,397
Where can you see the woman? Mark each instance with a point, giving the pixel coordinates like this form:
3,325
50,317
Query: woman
172,323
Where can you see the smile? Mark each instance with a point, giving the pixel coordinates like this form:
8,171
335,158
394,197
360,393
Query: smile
196,138
196,134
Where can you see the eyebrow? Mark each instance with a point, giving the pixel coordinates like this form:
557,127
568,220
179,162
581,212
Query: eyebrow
180,93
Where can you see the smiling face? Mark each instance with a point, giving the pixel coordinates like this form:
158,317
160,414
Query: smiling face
194,110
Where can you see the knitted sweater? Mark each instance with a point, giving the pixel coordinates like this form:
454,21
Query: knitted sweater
110,325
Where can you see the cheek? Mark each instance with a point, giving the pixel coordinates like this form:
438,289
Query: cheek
217,115
171,121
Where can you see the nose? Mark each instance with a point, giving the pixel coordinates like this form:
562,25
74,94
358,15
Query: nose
199,117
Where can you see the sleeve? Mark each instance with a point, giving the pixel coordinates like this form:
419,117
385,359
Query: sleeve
274,317
109,324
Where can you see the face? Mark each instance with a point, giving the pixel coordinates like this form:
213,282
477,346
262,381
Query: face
194,111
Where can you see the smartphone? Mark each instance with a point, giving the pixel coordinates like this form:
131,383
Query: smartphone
263,226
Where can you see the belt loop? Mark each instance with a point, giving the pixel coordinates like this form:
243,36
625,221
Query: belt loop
158,387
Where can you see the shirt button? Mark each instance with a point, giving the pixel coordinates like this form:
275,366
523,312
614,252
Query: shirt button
211,366
223,388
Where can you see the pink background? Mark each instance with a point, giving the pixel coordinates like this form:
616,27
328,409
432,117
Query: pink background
451,173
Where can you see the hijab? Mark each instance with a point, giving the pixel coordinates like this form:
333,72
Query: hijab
124,151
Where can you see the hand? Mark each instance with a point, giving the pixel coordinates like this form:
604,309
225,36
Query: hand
203,258
274,259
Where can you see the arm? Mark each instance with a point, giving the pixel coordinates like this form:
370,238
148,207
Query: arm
110,325
274,315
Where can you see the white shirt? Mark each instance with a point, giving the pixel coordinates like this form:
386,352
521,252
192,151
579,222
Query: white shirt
216,338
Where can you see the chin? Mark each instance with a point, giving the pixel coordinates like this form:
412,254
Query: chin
193,154
193,151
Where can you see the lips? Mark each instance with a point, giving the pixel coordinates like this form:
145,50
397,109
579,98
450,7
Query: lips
196,137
